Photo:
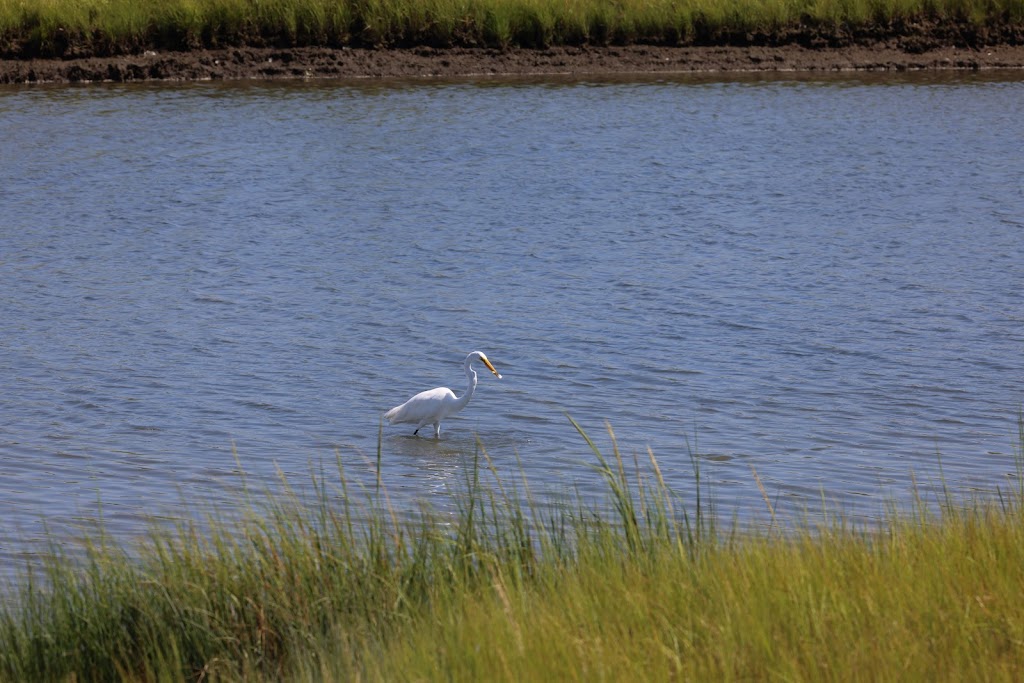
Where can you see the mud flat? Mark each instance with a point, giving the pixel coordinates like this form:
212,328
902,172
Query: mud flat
424,62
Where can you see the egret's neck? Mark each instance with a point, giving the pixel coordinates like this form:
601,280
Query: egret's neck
470,387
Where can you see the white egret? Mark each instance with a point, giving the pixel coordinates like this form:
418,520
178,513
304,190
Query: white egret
430,407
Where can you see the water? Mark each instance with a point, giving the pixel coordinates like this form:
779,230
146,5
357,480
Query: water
819,281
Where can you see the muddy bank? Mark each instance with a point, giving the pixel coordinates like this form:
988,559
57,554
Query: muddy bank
355,63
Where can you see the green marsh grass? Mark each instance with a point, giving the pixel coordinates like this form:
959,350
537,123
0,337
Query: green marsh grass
100,27
638,585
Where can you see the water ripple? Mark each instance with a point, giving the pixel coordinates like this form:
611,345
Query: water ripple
831,294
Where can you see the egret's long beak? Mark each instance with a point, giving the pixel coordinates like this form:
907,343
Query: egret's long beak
491,367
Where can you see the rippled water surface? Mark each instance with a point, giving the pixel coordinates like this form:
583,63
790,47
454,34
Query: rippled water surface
820,281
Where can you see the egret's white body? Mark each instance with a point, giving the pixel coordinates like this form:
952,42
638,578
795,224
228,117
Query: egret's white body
434,405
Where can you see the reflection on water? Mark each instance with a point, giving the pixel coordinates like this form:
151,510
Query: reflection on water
820,280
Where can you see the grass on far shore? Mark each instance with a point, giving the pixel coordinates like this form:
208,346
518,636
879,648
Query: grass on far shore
56,28
641,586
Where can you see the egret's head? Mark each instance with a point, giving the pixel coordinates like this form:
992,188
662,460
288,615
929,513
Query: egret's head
483,359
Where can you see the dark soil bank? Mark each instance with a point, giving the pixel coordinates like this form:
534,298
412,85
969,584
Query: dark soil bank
358,63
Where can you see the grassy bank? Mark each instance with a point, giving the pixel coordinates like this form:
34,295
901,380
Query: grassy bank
55,28
638,586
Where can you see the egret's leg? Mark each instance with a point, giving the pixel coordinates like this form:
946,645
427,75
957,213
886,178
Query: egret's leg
437,430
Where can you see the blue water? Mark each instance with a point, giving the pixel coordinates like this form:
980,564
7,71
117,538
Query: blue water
820,281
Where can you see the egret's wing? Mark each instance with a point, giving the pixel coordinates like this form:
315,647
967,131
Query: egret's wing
426,406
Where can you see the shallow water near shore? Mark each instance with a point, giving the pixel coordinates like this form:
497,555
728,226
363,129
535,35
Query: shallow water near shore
822,281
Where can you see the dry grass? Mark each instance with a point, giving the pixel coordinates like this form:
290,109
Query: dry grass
639,586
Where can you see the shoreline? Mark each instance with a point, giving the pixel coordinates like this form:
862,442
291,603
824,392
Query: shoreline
247,63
